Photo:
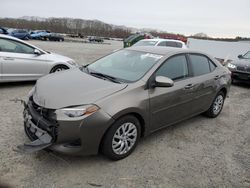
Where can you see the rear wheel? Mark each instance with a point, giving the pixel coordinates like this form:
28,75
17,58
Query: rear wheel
216,106
59,68
122,138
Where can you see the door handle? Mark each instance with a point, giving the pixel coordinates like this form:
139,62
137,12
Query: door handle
189,86
8,58
217,77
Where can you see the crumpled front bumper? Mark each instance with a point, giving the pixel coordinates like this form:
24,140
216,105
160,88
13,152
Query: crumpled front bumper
40,130
80,137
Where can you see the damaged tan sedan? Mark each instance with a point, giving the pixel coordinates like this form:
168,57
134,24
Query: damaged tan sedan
110,104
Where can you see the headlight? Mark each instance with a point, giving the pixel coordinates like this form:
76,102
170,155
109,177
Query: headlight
71,62
231,66
78,111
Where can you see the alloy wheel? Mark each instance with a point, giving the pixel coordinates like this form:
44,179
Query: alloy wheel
124,138
218,103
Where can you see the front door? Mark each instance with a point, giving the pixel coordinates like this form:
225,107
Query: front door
171,104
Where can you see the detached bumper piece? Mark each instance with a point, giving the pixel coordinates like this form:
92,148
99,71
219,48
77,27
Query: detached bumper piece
38,128
41,143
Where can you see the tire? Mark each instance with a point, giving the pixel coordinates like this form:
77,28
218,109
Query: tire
59,68
124,132
217,105
233,81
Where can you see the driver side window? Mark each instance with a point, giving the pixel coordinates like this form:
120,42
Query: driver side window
12,46
175,68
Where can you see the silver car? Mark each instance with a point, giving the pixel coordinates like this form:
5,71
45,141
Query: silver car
21,61
161,42
110,104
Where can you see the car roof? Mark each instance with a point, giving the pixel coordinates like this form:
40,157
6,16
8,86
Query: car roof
161,50
160,40
169,51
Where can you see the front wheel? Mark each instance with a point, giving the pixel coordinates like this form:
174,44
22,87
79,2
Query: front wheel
122,138
59,68
217,105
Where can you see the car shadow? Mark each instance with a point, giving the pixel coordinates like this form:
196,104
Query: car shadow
242,84
17,84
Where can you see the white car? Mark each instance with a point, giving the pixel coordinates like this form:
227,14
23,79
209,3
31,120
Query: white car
21,61
161,42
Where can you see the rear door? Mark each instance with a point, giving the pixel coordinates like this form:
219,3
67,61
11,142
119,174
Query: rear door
18,61
205,77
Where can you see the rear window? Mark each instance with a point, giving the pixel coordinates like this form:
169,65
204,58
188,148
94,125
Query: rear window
170,44
179,45
145,43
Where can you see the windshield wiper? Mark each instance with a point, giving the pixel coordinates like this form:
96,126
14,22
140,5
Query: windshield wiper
101,75
84,68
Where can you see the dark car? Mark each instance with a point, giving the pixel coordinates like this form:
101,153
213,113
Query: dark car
240,68
3,31
19,33
55,37
132,39
95,39
39,34
110,104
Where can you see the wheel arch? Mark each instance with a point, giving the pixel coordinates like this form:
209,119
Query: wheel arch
119,115
224,90
58,65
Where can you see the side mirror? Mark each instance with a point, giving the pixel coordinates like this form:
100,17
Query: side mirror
240,56
37,52
162,81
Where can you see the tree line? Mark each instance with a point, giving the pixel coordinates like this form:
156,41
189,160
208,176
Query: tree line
68,26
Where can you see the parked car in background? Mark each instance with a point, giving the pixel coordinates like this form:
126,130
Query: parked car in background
95,39
55,37
19,33
3,30
21,61
39,34
132,39
110,104
240,68
245,56
161,42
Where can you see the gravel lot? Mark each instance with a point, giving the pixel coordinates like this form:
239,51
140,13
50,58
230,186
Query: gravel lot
199,152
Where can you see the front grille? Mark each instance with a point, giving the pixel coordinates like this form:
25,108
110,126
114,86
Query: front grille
240,68
46,113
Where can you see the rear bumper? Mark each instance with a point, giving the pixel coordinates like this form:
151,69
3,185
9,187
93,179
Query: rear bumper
81,137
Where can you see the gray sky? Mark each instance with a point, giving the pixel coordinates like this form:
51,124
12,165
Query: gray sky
222,18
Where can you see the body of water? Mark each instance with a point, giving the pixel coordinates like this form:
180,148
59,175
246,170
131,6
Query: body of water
219,49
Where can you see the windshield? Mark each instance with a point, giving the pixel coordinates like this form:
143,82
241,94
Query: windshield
145,43
125,65
247,55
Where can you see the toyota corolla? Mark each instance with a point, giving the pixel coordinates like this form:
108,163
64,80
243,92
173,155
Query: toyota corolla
107,106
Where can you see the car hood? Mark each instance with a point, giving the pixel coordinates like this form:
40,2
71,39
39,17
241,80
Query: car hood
71,88
243,62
